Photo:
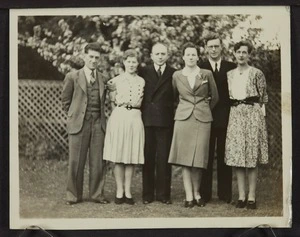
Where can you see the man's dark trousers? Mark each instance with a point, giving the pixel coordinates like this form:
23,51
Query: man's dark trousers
218,138
158,118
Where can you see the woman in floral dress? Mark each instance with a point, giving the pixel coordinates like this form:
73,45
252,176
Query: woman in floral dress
124,140
246,141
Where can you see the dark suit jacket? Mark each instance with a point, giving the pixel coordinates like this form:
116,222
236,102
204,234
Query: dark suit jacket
195,100
222,109
74,99
158,102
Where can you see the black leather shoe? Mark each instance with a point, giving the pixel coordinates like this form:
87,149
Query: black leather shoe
200,202
119,201
129,201
189,204
147,202
251,205
241,204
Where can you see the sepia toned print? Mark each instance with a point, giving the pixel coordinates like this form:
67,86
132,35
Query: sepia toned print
50,55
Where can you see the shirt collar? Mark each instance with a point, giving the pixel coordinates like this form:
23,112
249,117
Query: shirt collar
213,63
162,67
193,74
87,73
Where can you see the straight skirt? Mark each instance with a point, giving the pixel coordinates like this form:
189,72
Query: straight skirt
125,137
190,143
247,140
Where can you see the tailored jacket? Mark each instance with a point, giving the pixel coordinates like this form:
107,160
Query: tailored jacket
158,102
222,109
74,99
198,100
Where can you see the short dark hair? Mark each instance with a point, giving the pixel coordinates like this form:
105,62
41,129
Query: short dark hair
190,45
131,53
161,43
243,43
95,46
212,36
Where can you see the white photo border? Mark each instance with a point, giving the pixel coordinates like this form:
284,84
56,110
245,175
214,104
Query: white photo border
16,222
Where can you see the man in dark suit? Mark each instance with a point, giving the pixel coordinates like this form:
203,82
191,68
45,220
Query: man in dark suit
158,118
83,100
219,67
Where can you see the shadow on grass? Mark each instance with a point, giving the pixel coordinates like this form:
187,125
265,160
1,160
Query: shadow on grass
42,195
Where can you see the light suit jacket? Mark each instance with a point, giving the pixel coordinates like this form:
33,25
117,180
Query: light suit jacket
199,100
74,99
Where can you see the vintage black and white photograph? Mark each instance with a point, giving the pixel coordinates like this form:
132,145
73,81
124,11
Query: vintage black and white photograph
150,117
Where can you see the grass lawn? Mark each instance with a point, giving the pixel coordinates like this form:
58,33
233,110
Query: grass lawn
43,184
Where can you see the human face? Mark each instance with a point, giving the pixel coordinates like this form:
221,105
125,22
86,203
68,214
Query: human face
242,55
130,64
92,59
159,54
214,49
190,57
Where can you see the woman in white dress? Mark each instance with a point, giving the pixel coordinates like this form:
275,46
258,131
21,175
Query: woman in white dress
124,140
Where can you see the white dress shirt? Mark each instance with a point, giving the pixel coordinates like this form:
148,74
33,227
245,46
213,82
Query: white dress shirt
162,68
213,64
88,73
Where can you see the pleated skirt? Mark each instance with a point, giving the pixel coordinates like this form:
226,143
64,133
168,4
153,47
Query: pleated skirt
190,143
125,137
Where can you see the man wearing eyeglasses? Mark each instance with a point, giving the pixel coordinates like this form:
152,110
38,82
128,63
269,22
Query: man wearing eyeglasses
219,68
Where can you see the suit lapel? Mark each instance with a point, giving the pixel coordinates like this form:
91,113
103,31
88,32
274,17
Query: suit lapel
207,65
101,84
222,72
82,81
186,83
163,78
198,81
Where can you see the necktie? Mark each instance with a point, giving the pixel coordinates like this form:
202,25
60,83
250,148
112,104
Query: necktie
159,73
216,68
92,79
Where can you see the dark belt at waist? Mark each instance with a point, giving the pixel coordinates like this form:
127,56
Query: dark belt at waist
248,101
129,107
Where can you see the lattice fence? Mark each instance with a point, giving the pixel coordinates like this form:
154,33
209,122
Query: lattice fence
41,116
273,110
40,112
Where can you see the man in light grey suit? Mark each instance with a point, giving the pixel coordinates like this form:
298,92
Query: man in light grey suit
83,100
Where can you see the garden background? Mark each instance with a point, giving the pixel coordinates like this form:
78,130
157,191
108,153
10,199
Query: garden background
51,46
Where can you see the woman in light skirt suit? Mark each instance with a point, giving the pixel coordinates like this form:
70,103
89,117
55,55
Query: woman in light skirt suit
197,93
124,139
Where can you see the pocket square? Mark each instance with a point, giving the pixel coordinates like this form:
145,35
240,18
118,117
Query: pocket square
204,81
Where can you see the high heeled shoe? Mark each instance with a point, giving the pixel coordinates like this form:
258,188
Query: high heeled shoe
119,201
251,205
241,203
188,204
129,201
200,202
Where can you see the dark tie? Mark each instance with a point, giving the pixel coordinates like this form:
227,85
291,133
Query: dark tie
92,80
159,73
216,68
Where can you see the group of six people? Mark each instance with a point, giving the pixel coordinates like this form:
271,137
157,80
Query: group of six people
163,117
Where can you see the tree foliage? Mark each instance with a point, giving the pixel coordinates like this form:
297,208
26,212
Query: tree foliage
60,39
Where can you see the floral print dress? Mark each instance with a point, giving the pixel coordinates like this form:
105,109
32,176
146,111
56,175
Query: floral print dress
246,140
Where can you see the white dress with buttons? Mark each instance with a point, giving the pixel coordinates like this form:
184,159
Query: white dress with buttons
125,137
